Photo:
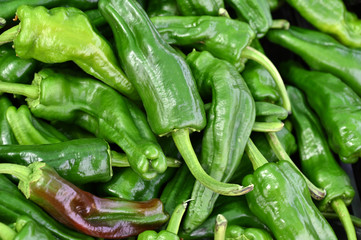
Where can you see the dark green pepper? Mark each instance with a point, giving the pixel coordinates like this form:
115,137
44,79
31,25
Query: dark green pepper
322,52
229,125
337,106
235,232
331,17
281,200
43,35
99,109
99,217
164,82
162,8
224,38
6,135
199,8
318,163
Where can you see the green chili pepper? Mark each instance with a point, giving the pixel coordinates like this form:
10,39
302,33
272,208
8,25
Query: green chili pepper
199,8
291,214
331,17
229,125
164,82
256,13
340,114
321,52
43,35
99,109
6,135
13,204
218,35
94,216
171,232
162,8
235,232
318,163
15,69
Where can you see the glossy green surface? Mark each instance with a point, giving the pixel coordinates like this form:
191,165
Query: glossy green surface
6,135
199,8
28,229
214,34
282,201
229,125
322,52
235,232
337,106
162,8
74,39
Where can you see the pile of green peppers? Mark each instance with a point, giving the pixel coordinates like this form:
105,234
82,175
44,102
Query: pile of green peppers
180,119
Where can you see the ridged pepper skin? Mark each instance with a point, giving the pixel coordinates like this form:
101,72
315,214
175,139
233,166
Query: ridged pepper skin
28,229
282,201
79,161
15,69
43,35
331,17
162,8
199,8
337,106
322,53
208,33
98,217
161,76
6,135
256,13
235,232
13,205
229,125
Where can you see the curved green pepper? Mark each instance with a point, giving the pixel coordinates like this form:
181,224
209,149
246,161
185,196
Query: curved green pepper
224,38
282,201
318,163
199,8
322,52
42,34
6,135
229,125
162,8
331,17
235,232
340,114
99,109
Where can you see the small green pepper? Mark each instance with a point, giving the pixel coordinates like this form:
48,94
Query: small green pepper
162,8
6,135
235,232
199,8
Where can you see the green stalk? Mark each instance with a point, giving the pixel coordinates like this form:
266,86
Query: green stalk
267,126
280,24
9,35
19,171
341,210
176,218
184,145
253,54
220,228
27,90
2,22
254,155
121,160
6,232
355,220
281,154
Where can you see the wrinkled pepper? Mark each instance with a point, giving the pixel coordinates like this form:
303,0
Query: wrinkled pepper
42,34
336,104
199,8
171,232
331,17
6,134
13,205
322,52
218,35
229,125
318,163
235,232
291,214
99,109
162,8
91,215
164,82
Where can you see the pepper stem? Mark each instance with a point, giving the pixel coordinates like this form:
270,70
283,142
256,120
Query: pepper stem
184,145
280,24
257,56
2,22
121,160
256,157
267,126
9,35
176,218
341,210
355,220
19,171
220,227
6,232
281,154
27,90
